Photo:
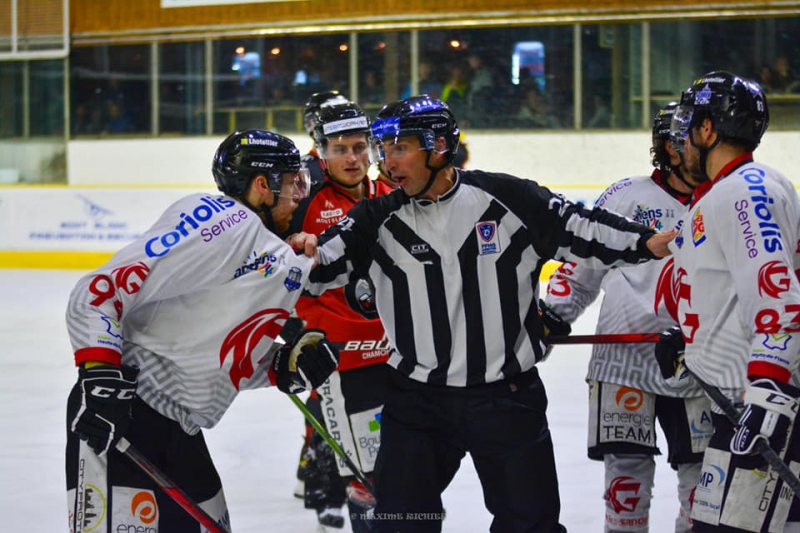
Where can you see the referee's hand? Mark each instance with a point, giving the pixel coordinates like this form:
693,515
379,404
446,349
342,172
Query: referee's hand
658,244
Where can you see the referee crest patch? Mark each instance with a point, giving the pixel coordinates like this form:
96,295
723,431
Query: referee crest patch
487,238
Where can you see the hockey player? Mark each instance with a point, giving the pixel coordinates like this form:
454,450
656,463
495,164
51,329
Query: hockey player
312,162
352,398
169,331
312,106
733,289
455,257
627,393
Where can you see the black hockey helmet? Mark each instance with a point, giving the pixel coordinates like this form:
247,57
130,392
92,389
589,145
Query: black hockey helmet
245,154
736,106
663,120
313,105
338,120
661,129
423,117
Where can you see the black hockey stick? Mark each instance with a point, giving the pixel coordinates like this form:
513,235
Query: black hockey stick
319,428
761,446
168,486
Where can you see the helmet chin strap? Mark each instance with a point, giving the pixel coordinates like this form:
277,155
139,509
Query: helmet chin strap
703,154
434,172
677,171
264,210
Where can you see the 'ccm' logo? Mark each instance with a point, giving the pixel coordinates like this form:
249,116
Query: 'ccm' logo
106,392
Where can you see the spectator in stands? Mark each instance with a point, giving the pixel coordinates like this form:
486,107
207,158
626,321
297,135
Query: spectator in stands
479,90
535,112
783,79
371,90
427,83
117,120
602,116
454,90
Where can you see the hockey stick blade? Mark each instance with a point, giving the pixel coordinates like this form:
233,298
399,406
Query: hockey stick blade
169,487
607,338
761,447
319,428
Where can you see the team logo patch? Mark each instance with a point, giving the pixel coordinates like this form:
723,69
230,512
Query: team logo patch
292,281
488,239
698,228
623,494
773,279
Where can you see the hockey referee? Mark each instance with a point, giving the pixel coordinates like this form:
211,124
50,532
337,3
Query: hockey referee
455,257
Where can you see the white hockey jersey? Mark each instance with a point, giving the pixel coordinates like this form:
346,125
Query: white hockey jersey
733,278
195,303
628,301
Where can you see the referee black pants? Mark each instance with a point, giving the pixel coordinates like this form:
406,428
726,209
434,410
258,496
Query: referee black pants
427,430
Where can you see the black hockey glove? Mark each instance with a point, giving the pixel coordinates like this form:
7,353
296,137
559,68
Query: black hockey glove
105,411
769,410
670,350
304,364
554,325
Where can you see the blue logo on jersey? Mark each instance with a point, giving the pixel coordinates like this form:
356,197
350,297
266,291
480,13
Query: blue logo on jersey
112,327
292,281
189,222
776,341
487,231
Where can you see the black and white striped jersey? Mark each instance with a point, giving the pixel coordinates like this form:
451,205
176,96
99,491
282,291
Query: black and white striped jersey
457,280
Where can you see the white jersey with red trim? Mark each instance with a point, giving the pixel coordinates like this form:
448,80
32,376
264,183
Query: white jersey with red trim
733,278
627,305
196,303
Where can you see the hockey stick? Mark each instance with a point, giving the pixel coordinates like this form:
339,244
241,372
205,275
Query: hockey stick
168,486
319,428
290,331
607,338
761,446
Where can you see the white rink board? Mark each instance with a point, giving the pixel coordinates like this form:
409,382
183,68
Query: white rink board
80,219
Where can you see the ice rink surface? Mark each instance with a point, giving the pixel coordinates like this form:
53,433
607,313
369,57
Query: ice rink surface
256,445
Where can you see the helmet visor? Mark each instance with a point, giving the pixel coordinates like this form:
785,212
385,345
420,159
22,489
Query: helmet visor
295,185
387,139
679,126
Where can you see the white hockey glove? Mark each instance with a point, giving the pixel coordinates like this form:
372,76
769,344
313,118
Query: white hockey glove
304,364
770,408
105,411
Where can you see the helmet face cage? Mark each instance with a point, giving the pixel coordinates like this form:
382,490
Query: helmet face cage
422,117
339,120
243,155
736,106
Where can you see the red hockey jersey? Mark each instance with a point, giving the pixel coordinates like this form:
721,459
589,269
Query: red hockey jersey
347,314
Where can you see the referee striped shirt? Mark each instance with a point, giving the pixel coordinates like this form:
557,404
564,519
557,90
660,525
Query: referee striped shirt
457,280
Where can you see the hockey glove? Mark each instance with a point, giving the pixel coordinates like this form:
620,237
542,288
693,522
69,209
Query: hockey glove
670,350
770,408
105,411
304,364
553,325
